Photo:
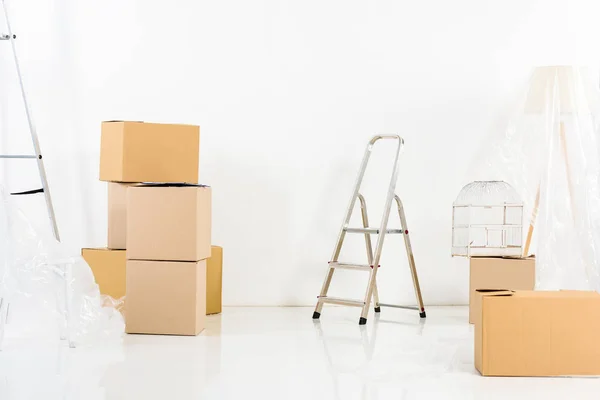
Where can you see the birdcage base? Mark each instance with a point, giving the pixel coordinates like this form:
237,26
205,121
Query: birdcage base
511,251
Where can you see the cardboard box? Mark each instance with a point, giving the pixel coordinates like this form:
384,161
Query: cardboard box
500,273
166,297
527,333
168,222
108,267
214,281
145,152
117,215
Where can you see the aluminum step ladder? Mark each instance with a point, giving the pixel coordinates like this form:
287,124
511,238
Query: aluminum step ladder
37,156
373,258
9,36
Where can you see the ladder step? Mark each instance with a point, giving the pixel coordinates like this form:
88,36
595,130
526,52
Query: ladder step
360,267
397,306
373,231
34,191
343,302
18,156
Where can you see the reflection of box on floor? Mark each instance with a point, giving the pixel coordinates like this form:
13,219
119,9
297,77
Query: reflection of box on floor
500,273
108,267
527,333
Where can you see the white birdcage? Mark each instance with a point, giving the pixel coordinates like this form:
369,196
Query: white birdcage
487,221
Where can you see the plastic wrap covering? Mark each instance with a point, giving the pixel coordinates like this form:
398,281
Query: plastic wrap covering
549,153
487,220
46,293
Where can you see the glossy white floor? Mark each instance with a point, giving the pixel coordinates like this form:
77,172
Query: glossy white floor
279,353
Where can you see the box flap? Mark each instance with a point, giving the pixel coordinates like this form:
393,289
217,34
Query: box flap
563,294
120,120
480,294
495,292
176,184
531,257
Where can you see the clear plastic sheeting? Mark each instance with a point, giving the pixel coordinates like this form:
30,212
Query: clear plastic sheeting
487,219
549,153
45,292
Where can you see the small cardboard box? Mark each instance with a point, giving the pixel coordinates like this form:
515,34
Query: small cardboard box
214,281
117,215
108,267
500,273
168,222
165,297
527,333
146,152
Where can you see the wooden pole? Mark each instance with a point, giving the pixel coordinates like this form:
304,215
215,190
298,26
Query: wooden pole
563,144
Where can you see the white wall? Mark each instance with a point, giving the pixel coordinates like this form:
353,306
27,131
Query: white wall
287,94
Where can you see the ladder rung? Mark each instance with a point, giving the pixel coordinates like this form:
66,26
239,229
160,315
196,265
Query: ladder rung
34,191
396,306
360,267
343,302
374,231
18,156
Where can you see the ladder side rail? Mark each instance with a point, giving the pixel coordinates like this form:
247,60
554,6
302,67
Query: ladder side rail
355,193
369,246
32,129
410,255
383,225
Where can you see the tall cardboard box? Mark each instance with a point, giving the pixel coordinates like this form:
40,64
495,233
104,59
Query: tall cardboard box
500,273
166,297
147,152
108,267
168,222
214,281
527,333
117,215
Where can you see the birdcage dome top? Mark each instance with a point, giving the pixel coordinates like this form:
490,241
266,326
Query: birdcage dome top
487,193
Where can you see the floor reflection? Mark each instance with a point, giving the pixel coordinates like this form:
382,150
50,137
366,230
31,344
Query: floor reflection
55,372
359,369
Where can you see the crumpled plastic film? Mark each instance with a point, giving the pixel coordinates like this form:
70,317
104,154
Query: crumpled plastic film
50,293
549,153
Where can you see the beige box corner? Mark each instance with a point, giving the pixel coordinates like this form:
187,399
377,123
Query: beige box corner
214,281
117,215
108,267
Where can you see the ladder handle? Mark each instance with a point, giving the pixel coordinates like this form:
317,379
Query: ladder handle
379,137
361,174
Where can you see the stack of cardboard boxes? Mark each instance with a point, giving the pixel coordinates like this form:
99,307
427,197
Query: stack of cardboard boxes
159,229
522,332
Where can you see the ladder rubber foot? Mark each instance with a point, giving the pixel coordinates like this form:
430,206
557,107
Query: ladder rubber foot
377,309
316,315
362,321
422,315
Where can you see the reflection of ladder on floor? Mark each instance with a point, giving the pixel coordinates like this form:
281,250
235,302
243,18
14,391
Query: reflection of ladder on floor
9,36
368,346
373,258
